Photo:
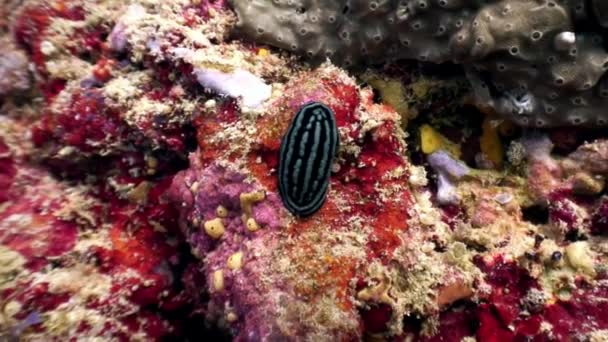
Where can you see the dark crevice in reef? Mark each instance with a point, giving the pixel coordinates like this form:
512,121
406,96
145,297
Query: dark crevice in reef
194,326
536,214
464,130
442,70
589,22
576,235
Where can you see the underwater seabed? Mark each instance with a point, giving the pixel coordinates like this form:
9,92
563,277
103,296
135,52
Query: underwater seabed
310,170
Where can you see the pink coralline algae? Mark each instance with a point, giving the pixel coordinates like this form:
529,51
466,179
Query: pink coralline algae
214,194
599,220
204,194
103,107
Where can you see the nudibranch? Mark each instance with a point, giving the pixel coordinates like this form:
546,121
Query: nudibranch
307,153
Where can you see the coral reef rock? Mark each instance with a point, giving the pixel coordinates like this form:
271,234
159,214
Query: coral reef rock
139,172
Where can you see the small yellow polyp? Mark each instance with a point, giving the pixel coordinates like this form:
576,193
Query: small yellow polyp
218,281
231,317
431,141
248,199
221,211
235,261
214,228
252,226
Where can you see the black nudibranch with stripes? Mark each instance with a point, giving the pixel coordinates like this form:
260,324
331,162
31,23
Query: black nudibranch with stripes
307,153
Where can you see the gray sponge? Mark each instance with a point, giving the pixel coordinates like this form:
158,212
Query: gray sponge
526,61
524,57
352,31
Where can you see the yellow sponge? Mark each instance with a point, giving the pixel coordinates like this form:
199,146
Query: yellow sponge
263,52
431,141
490,143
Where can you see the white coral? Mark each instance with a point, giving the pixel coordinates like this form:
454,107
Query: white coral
238,84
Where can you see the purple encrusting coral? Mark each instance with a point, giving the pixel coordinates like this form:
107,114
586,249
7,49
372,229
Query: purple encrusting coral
442,162
236,260
202,190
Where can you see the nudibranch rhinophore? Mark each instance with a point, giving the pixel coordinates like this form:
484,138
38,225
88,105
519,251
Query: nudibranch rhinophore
306,155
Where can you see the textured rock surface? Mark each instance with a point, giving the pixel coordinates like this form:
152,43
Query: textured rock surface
14,73
524,58
107,231
77,261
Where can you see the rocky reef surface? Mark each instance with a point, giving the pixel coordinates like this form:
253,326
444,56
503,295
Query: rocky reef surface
139,149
